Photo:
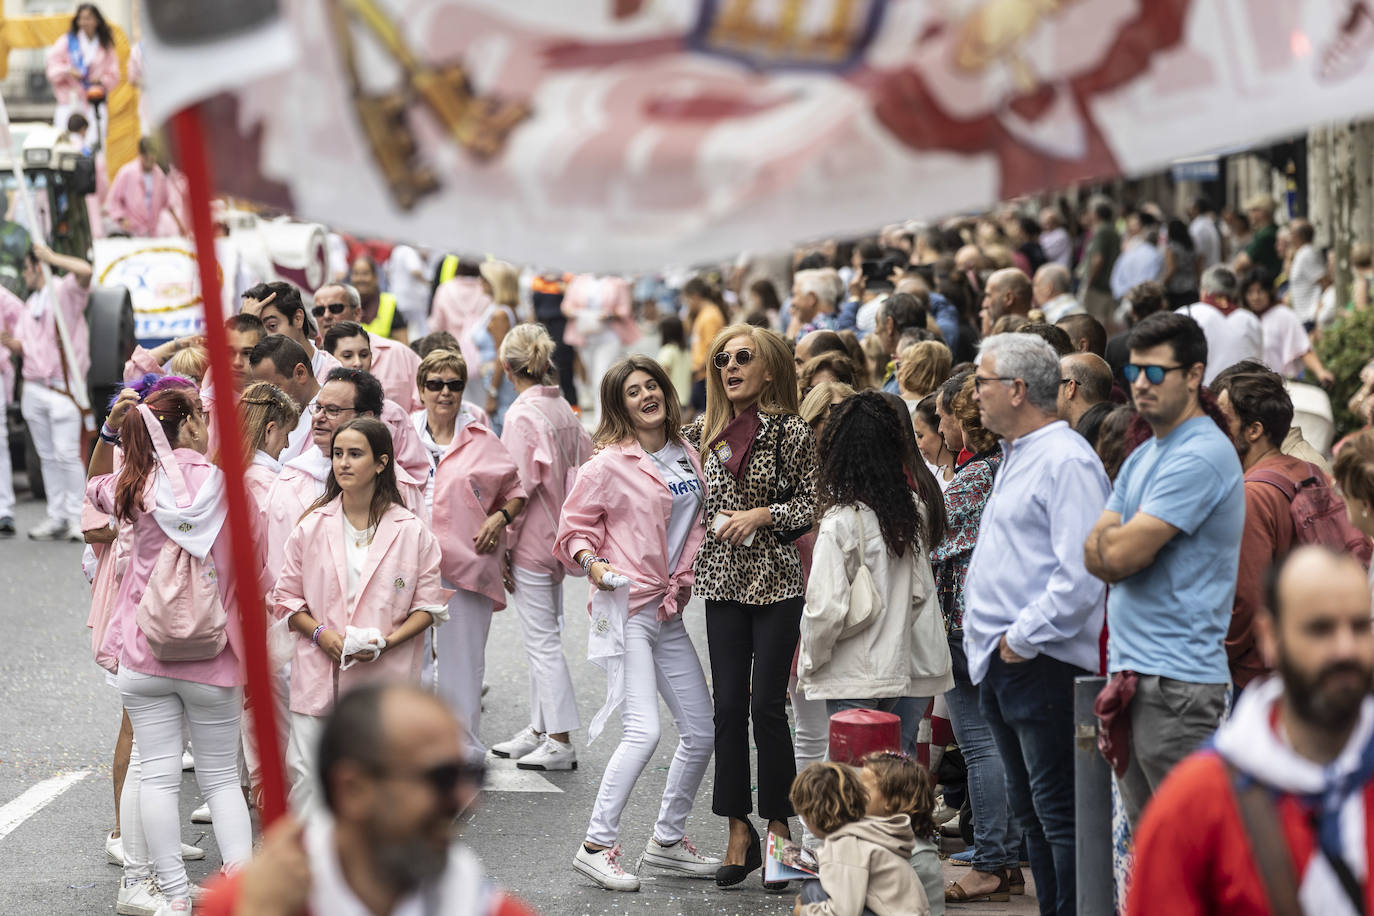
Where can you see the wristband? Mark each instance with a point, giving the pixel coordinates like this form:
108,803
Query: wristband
316,638
591,560
109,435
504,514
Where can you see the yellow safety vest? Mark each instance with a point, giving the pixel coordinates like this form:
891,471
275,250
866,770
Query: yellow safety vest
448,269
386,312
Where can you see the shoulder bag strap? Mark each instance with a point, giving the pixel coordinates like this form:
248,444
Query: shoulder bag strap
1272,859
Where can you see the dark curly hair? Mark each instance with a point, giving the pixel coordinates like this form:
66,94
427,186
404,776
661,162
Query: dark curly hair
860,460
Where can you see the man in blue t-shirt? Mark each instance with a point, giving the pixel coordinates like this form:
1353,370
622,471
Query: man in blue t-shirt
1168,543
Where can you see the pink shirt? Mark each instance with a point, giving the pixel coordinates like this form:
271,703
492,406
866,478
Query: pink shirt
129,199
103,68
11,309
293,492
609,295
547,440
400,576
458,305
42,354
619,509
475,477
145,544
394,364
412,461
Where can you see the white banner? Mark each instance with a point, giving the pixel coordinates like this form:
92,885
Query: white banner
622,134
161,277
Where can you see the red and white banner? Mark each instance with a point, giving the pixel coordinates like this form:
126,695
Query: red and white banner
623,134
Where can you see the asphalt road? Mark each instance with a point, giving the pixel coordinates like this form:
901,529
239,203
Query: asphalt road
60,719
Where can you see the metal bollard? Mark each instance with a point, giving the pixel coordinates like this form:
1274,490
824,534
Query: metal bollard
1092,778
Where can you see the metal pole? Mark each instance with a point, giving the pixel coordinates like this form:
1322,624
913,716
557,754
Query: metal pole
1092,778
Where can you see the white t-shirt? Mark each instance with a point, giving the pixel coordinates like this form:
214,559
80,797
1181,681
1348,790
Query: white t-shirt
420,420
1285,341
1206,240
356,544
1304,282
677,472
408,279
1230,338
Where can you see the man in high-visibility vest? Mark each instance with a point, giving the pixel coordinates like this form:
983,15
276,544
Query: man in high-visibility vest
380,315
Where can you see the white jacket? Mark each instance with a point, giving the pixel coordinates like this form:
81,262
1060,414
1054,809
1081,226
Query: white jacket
904,652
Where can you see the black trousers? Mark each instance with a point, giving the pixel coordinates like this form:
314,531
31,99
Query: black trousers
751,657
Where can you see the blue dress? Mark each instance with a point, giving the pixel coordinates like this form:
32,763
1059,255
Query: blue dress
486,346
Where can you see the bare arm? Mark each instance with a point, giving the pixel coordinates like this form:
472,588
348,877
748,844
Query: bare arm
1114,551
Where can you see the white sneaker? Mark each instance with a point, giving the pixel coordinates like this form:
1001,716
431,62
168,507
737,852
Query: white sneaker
604,868
188,762
50,529
527,740
681,857
943,813
139,897
75,534
178,907
114,850
551,755
201,815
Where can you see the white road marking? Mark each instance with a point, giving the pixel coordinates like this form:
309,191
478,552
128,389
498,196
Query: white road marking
504,776
35,799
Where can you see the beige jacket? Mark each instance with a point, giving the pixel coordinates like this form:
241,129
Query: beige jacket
865,864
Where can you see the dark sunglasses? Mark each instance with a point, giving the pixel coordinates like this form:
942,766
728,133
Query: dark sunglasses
1153,374
446,777
743,357
335,308
454,384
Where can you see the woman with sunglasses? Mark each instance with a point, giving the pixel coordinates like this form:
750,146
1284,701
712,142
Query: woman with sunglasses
359,560
635,511
759,458
473,492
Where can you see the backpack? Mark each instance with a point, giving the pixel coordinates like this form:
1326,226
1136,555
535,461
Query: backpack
180,613
1318,513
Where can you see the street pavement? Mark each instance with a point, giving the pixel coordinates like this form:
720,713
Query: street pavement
60,719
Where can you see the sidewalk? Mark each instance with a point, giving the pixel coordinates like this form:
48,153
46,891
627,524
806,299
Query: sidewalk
1020,905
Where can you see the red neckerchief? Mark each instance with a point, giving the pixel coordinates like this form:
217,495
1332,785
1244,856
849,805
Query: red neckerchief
736,441
964,456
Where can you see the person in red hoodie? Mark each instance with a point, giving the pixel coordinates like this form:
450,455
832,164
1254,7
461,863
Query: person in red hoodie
1277,816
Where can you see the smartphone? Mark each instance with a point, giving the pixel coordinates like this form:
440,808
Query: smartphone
719,522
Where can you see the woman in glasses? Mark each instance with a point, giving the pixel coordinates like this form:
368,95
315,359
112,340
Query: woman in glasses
635,511
473,492
359,581
759,458
548,443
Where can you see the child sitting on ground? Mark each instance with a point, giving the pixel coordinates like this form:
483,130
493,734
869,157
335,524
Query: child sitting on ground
864,861
896,784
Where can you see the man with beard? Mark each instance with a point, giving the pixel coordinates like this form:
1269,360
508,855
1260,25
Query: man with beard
395,778
1168,544
1277,811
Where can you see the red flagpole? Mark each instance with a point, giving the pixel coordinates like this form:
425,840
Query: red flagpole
195,160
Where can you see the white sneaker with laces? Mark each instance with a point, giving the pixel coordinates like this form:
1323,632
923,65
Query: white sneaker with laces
527,740
551,755
681,857
178,907
201,815
604,868
50,529
114,850
139,897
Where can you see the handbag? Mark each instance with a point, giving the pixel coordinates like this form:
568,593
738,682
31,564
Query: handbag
784,495
865,601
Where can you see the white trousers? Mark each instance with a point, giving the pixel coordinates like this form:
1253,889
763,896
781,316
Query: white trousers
659,659
302,765
6,470
131,835
599,354
461,644
157,706
54,422
812,721
538,599
281,694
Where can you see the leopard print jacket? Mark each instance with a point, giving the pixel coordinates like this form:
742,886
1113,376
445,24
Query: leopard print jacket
766,571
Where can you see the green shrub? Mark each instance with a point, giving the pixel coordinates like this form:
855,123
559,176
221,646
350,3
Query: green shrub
1345,348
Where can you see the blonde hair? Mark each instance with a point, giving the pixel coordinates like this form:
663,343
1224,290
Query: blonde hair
1354,467
875,352
439,360
923,366
964,406
528,350
503,280
818,401
779,394
190,363
260,404
616,425
827,796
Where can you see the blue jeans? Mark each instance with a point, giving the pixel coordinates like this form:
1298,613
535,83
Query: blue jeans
1028,707
996,836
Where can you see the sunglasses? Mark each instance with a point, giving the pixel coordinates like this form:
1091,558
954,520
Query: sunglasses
743,357
335,308
454,384
446,777
1153,374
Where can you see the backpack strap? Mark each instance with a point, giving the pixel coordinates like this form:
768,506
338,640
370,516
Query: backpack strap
1263,830
165,459
1284,483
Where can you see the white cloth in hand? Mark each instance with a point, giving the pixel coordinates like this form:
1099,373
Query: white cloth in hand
366,640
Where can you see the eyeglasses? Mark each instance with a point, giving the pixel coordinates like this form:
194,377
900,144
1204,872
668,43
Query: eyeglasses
743,357
335,308
332,411
446,777
1153,374
454,384
979,381
1065,381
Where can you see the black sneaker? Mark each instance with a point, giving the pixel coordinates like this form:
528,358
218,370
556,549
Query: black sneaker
6,527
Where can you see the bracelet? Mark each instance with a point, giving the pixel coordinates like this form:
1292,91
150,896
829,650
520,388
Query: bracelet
591,560
109,435
316,638
504,514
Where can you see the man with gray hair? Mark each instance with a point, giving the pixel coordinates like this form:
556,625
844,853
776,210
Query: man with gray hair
814,295
1233,332
1051,291
394,364
1033,612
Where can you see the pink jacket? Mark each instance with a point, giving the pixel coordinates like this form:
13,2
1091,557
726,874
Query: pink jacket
411,456
103,68
42,354
458,304
617,306
546,440
145,544
475,477
399,577
394,364
11,308
619,509
129,201
294,491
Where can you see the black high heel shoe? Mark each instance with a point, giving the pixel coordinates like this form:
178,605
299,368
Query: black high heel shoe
730,875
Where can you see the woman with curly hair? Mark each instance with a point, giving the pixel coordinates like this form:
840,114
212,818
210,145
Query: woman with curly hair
996,838
873,519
